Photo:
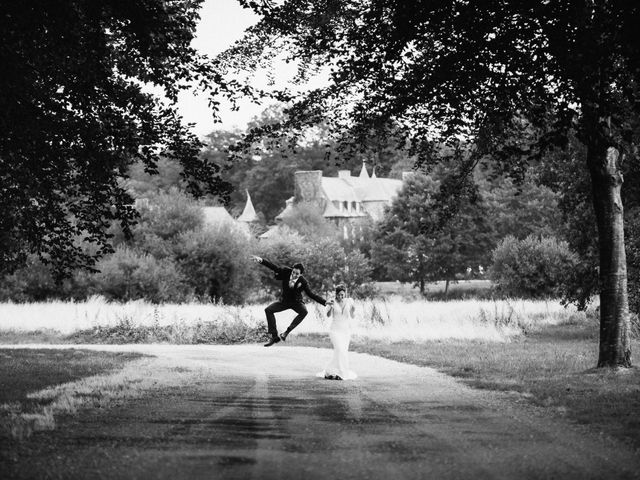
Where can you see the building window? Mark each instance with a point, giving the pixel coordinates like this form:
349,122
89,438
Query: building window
353,206
345,208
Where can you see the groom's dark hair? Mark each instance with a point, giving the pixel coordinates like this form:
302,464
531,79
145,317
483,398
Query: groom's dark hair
299,266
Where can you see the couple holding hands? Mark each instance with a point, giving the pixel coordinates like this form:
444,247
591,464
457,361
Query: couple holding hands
342,310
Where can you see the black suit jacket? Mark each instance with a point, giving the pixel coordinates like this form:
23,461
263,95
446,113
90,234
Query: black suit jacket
292,295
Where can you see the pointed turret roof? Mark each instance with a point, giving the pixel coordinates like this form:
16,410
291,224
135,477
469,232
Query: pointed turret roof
373,175
249,213
363,172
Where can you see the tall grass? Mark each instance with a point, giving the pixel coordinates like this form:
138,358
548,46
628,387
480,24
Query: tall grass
392,319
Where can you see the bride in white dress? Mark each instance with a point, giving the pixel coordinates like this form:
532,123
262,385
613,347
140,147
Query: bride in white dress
342,310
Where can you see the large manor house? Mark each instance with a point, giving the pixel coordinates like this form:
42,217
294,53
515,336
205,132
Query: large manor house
346,200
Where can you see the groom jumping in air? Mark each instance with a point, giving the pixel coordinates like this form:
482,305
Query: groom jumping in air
293,284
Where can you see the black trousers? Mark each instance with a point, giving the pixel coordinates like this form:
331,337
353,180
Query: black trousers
276,307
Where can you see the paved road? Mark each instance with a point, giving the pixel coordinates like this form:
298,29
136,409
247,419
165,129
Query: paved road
263,414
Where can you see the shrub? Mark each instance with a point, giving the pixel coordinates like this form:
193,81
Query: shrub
167,215
331,265
284,247
216,263
632,242
326,261
306,219
532,268
163,218
129,275
31,283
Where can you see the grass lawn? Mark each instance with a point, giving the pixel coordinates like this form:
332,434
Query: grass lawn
27,370
551,367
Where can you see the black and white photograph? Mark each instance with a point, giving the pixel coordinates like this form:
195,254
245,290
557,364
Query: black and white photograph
319,239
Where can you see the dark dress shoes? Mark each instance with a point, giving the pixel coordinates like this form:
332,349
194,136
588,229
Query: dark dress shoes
274,339
283,336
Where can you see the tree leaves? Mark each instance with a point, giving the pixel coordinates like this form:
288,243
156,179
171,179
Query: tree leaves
74,116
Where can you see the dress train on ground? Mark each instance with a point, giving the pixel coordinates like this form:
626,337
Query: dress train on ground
339,364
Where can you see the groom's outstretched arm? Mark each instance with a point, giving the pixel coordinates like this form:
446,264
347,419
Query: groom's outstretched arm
311,294
267,263
271,266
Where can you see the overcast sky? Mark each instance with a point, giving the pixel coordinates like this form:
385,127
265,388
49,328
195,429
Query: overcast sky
222,22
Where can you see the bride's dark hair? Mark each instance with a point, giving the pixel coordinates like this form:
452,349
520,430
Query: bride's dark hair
340,288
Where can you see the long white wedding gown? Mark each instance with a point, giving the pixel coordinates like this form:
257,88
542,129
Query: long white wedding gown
340,335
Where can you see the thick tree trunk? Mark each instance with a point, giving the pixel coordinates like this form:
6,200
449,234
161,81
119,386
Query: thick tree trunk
446,288
606,177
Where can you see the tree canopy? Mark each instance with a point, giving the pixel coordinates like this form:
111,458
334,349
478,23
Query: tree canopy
413,245
76,111
445,68
503,77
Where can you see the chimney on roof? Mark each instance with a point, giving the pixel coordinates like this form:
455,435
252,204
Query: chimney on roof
344,173
308,186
